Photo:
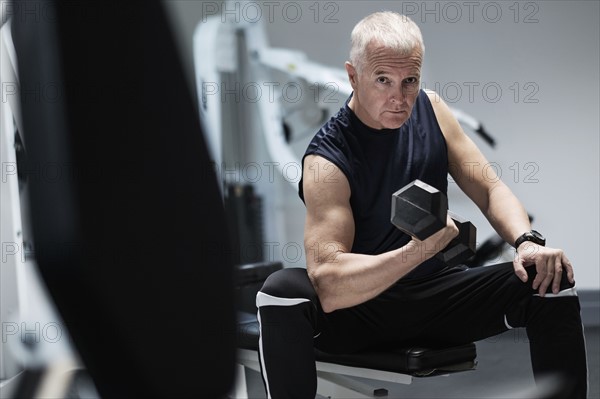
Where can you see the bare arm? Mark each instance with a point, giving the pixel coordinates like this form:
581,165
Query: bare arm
341,278
504,211
470,170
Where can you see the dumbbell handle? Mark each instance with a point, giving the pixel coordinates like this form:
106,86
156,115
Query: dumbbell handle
456,218
461,247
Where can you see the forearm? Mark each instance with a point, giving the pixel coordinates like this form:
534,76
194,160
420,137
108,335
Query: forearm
349,279
506,214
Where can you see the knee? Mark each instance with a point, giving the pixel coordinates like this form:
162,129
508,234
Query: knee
565,284
289,283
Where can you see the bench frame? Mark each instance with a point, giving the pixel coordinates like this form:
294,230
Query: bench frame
334,380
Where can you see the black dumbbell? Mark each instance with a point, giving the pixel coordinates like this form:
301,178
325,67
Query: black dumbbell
420,210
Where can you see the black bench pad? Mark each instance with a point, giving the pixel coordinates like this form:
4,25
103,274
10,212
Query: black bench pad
416,360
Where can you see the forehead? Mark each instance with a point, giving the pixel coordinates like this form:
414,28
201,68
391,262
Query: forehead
384,58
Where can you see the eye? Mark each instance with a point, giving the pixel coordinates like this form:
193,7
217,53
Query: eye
412,80
382,79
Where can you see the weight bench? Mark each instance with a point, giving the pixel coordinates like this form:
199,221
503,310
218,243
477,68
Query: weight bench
394,364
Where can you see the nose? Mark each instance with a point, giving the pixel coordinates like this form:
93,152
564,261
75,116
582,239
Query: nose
399,95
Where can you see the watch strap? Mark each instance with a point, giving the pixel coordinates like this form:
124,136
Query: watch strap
530,236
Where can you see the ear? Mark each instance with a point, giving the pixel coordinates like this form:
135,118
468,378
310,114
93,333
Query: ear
352,74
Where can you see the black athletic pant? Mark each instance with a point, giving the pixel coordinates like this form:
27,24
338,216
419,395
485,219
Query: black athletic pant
455,306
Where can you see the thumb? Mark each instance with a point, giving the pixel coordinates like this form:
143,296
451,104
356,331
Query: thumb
519,269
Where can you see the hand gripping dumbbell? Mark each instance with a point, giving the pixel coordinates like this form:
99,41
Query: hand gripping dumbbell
420,210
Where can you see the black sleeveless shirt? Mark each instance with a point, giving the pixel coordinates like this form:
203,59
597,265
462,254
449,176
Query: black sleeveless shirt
377,163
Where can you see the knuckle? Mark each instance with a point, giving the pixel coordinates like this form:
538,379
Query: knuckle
545,275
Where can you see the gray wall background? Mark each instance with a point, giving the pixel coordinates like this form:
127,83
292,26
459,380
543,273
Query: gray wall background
528,70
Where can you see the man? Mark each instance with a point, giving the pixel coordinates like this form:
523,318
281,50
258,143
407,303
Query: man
366,282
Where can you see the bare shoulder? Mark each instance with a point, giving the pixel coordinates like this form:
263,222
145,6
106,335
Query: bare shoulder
433,96
440,108
323,182
466,159
446,120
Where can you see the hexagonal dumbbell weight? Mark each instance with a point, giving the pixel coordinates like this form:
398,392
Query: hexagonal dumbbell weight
420,210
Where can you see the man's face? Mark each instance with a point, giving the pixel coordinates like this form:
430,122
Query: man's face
386,88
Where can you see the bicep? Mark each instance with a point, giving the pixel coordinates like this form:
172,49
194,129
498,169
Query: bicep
329,228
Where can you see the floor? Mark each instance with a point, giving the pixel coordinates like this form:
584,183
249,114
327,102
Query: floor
503,371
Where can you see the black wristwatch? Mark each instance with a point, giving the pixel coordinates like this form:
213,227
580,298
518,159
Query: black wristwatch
533,236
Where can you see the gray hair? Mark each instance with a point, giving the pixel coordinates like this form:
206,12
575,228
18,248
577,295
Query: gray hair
388,29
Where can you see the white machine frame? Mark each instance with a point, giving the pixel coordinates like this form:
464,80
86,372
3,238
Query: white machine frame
26,310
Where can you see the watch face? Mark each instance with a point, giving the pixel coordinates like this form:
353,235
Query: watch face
537,234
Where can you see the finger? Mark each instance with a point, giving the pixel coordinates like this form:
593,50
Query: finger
567,264
547,280
519,269
558,271
541,272
539,277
